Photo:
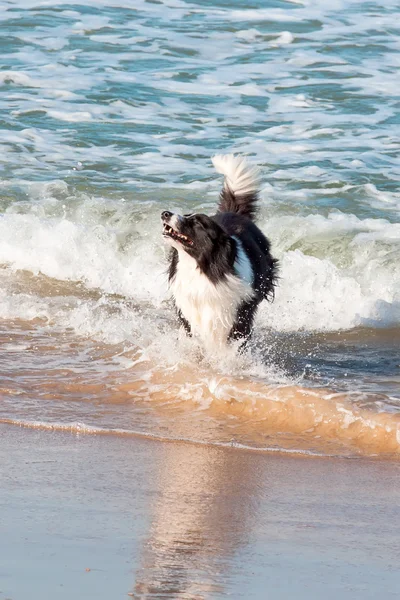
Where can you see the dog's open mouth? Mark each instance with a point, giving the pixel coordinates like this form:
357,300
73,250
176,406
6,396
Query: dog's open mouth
175,235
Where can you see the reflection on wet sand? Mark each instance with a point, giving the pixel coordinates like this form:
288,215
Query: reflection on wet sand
202,516
102,516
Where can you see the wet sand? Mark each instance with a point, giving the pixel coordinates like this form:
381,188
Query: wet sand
107,517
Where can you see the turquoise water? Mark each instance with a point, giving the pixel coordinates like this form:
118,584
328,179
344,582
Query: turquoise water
110,112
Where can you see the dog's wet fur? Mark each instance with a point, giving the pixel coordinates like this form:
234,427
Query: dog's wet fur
221,267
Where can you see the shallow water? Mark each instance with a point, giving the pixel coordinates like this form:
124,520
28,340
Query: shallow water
109,114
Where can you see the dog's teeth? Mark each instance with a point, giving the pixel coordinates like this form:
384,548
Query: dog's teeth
177,236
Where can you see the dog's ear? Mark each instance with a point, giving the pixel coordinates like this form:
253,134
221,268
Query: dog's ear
226,252
219,262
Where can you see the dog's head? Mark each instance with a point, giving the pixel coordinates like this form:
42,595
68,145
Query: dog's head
200,236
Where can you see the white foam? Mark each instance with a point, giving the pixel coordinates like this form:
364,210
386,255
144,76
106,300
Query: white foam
65,249
284,39
264,14
350,282
71,117
17,78
248,35
335,272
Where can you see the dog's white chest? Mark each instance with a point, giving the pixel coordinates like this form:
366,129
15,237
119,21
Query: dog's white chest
210,309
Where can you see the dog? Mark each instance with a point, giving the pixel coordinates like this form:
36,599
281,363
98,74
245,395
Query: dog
220,267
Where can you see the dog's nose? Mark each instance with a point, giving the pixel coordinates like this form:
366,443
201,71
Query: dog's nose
165,215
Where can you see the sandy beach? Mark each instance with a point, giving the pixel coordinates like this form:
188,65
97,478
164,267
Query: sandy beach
91,516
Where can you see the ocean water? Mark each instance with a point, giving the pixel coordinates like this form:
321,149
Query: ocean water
110,112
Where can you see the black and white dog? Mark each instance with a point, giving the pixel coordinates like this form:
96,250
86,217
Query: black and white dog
220,266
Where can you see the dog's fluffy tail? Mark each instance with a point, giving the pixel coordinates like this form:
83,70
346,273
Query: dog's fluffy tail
240,191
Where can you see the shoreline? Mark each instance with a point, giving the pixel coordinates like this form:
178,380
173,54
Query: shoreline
79,429
184,521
